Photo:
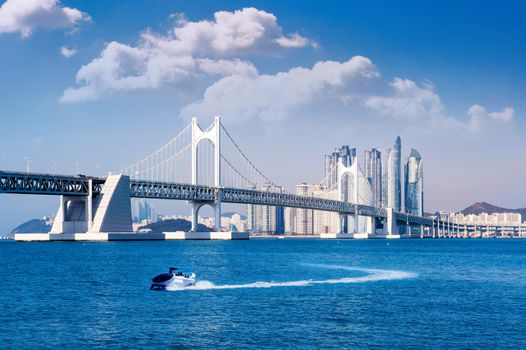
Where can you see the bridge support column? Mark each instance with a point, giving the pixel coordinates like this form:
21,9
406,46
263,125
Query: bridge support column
370,226
72,215
391,228
217,211
342,218
195,212
109,212
197,205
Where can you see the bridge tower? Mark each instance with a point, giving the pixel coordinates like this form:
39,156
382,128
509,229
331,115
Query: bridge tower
344,172
213,134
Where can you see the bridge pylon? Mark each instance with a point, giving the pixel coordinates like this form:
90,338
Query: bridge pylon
212,134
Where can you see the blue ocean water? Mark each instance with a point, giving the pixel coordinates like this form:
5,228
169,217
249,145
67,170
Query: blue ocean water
266,294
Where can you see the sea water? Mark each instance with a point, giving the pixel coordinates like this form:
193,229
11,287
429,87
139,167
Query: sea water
266,294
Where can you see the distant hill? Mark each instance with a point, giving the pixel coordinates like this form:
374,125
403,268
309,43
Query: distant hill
483,207
173,225
33,226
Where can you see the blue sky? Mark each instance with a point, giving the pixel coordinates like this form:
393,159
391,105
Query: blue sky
448,77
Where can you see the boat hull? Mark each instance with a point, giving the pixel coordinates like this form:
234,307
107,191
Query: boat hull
174,282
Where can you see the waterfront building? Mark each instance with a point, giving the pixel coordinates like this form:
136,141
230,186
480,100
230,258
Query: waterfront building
414,184
391,181
235,221
290,220
373,174
266,219
313,222
496,219
304,217
253,218
143,211
325,221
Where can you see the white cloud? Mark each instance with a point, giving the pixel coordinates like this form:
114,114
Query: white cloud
67,52
241,31
336,86
477,116
406,99
274,97
190,50
295,40
25,16
148,66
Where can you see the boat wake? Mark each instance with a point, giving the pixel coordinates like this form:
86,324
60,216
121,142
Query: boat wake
370,275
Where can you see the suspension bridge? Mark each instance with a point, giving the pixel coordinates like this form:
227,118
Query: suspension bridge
203,167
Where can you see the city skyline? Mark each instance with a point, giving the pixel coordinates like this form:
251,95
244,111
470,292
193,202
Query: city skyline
366,99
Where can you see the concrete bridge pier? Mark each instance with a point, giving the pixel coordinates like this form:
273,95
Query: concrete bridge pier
391,229
197,205
72,215
342,218
110,211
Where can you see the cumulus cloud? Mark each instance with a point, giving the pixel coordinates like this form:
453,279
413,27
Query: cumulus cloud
274,97
241,31
328,83
407,99
188,51
67,52
24,16
477,115
295,40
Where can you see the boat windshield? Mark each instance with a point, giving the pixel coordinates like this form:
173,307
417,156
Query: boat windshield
162,278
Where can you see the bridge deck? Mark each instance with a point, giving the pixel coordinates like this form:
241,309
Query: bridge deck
48,184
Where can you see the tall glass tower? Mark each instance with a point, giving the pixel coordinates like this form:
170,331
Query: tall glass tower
373,174
391,182
396,170
414,184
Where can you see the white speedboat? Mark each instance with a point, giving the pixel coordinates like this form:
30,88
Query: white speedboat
174,278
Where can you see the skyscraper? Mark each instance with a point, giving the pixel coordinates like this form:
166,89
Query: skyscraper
143,211
395,174
391,181
373,174
304,217
385,176
414,184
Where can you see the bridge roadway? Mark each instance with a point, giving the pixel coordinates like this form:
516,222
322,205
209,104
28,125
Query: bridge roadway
50,184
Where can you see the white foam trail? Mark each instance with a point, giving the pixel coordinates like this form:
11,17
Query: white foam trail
372,275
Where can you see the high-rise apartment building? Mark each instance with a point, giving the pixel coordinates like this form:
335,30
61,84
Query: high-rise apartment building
373,174
266,219
414,184
142,211
379,184
304,217
391,181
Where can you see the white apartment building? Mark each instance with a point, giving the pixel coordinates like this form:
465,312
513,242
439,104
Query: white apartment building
497,219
